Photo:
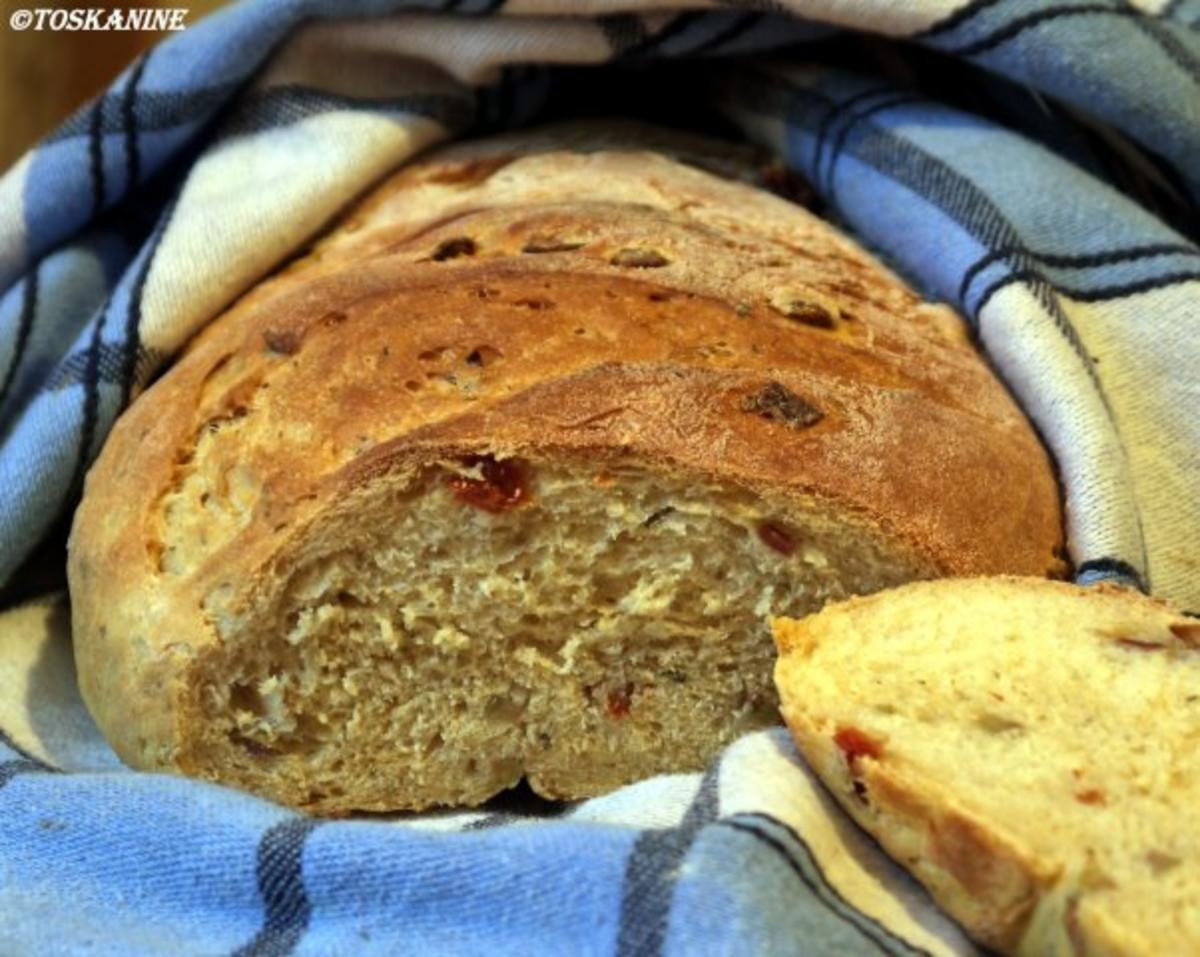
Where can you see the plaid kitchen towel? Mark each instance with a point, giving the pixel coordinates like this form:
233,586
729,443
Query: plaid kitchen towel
1036,164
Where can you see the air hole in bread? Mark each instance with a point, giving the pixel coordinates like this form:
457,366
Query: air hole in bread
283,342
436,354
453,248
808,313
245,698
550,244
994,723
1161,862
445,382
254,748
505,709
635,258
484,356
657,516
534,303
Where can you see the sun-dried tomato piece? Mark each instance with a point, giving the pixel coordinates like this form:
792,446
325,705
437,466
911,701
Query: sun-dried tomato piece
776,537
619,701
504,484
857,744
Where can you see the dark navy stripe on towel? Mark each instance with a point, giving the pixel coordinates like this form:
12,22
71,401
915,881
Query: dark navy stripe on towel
290,103
1019,25
281,884
25,326
652,44
133,355
151,111
1118,291
958,17
24,763
96,153
804,864
133,158
623,31
10,769
651,872
728,35
23,754
1109,569
91,402
1110,257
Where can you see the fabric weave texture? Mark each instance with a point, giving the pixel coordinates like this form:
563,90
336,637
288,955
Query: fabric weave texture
1034,164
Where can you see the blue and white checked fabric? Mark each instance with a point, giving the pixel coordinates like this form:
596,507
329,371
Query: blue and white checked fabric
1035,164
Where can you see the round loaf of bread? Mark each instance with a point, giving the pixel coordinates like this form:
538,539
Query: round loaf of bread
503,477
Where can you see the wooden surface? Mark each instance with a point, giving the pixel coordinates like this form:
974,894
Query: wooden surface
45,76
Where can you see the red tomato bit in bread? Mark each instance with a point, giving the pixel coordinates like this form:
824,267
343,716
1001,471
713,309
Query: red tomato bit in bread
773,536
504,485
857,744
619,701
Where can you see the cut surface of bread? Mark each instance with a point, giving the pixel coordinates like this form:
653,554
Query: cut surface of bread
504,476
1027,748
424,645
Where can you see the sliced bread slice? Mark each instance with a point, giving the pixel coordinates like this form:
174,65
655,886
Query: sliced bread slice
1029,749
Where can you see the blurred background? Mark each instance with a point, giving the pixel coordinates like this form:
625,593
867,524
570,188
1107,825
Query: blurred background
45,76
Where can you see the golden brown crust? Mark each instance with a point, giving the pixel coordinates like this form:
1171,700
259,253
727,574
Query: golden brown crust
475,302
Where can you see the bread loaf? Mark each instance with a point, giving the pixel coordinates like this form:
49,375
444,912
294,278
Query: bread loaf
502,478
1026,748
